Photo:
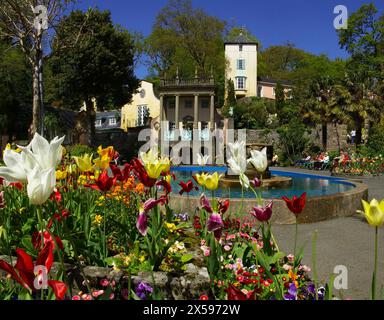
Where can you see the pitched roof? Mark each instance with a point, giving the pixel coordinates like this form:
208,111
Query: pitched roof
241,39
274,81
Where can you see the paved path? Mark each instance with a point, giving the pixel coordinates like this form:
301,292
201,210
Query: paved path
343,241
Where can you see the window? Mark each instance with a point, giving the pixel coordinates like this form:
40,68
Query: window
240,64
142,115
188,104
240,83
112,121
240,47
98,123
204,103
171,104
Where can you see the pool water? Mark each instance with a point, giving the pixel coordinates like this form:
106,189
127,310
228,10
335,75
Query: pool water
315,186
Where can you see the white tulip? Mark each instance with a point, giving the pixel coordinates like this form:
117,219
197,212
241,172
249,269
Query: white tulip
16,166
237,149
202,160
45,155
244,181
259,160
41,184
237,166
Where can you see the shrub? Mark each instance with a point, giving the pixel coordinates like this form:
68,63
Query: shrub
79,150
375,143
293,140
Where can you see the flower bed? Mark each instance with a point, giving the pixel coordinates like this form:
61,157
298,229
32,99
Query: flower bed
84,229
359,167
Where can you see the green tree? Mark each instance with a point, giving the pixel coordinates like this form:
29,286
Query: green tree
280,96
15,88
364,40
230,101
293,140
327,102
96,68
185,39
17,22
280,62
251,113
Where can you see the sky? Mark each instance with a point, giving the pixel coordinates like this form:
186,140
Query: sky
308,24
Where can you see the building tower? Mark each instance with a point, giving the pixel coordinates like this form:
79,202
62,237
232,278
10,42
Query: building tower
241,54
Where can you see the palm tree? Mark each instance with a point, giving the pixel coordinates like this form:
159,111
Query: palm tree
325,103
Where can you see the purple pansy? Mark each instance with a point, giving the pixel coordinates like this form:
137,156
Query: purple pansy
143,289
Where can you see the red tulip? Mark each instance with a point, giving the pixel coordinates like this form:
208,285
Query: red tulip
36,240
236,294
187,187
296,205
17,185
167,187
56,196
223,206
142,174
58,217
104,183
121,175
23,272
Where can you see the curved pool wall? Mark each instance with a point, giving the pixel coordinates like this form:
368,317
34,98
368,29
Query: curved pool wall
318,208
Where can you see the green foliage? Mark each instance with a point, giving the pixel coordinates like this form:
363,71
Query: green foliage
79,150
15,88
180,41
280,62
96,63
293,140
252,113
230,101
375,144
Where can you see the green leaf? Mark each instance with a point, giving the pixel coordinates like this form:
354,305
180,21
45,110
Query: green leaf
27,244
186,257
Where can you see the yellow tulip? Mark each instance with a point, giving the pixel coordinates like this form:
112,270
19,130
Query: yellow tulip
103,162
373,212
84,163
212,181
149,157
168,178
154,170
107,152
200,178
61,175
166,164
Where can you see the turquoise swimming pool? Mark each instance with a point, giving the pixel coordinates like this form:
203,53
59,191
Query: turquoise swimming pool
314,185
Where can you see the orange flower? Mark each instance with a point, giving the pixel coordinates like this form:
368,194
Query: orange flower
139,188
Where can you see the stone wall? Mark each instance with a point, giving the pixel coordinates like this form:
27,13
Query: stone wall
336,134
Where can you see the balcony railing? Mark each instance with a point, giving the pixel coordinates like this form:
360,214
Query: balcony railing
187,82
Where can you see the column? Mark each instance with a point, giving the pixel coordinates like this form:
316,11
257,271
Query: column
177,111
196,112
162,113
212,112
